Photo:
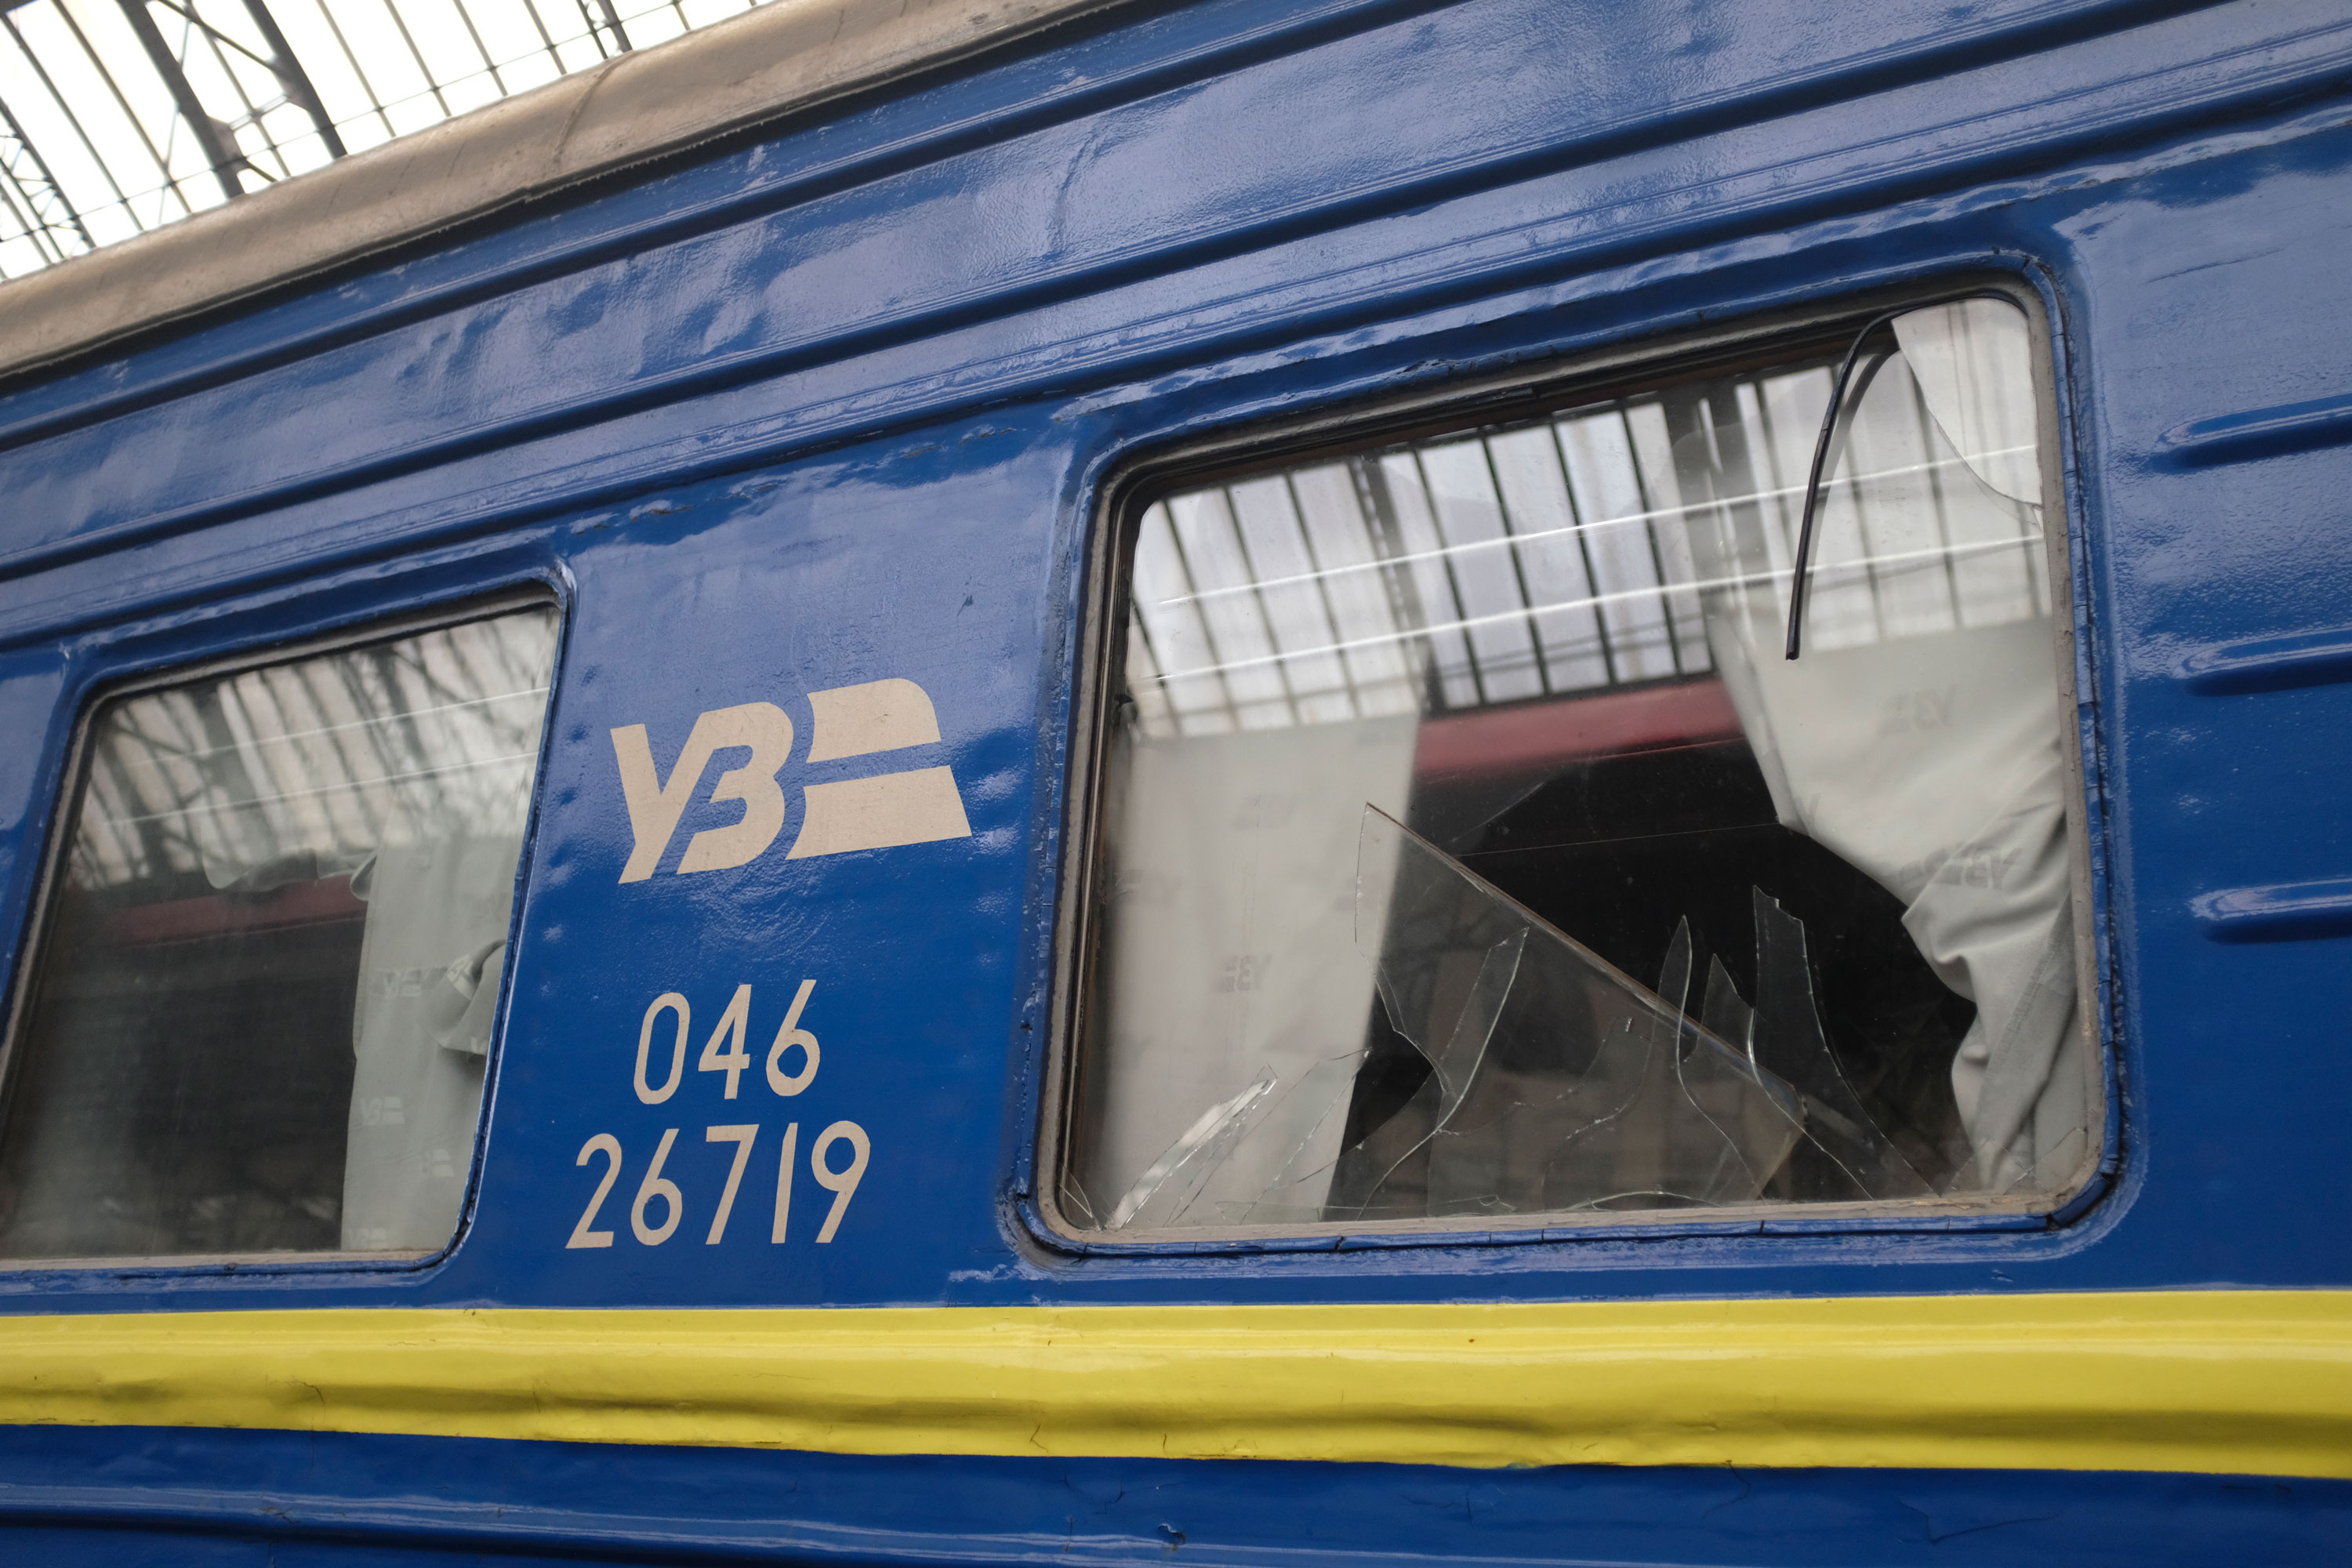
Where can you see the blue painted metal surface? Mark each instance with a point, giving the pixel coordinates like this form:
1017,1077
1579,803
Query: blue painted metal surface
835,407
253,1497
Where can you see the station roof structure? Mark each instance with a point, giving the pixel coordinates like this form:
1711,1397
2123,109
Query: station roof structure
96,260
120,116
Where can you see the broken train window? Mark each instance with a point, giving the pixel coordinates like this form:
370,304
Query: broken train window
1468,847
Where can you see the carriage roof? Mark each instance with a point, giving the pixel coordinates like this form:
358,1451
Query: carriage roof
782,59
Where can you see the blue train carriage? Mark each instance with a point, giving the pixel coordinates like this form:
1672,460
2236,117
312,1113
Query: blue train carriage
1276,780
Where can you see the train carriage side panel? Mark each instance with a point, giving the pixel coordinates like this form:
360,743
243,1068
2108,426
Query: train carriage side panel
815,456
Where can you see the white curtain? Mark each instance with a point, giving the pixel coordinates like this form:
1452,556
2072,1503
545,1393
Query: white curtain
429,971
1929,758
1231,954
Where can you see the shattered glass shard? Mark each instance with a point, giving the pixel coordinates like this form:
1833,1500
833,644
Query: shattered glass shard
1787,1042
1548,1080
1077,1204
1556,1080
1165,1190
1724,1015
1702,1127
1466,1031
1755,1114
1299,1185
1452,955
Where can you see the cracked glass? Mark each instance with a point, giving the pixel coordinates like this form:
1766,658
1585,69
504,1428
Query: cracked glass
1470,853
262,1008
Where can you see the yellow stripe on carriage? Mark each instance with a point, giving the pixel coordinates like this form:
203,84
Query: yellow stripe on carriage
2250,1382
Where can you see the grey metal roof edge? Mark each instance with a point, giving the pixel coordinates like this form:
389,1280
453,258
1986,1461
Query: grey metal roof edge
785,56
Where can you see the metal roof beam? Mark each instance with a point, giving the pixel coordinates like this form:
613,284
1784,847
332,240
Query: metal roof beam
211,138
291,75
28,173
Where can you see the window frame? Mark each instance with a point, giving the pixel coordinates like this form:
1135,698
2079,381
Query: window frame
62,822
1480,401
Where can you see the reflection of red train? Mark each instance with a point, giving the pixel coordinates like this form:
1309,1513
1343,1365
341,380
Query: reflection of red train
1297,779
1535,739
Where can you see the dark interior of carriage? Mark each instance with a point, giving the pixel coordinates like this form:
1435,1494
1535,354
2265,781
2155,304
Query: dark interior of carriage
226,1133
1663,823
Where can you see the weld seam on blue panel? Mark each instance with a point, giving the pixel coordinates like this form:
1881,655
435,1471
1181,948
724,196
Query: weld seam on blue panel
2286,911
2270,664
382,1523
2258,433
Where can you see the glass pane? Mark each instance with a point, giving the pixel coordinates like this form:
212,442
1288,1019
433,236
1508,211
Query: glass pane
264,998
1471,851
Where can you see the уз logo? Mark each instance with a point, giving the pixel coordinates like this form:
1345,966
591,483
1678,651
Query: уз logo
917,806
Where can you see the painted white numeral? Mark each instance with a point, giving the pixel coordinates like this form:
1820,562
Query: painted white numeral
791,1035
732,1024
841,1184
785,1174
603,1143
743,1137
669,1001
656,1185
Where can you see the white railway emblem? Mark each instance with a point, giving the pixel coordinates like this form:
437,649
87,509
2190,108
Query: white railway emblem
919,806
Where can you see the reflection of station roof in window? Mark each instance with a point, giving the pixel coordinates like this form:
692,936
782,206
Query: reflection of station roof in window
321,761
1562,557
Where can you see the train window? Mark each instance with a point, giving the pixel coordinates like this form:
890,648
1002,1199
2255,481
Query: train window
259,1016
1468,846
